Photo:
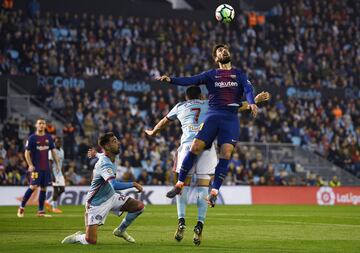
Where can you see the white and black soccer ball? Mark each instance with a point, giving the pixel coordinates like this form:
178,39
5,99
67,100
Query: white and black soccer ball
225,13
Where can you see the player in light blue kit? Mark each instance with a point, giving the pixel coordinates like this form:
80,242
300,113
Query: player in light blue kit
191,115
226,86
104,197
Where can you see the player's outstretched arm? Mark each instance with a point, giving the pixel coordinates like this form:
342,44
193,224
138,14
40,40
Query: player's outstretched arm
159,126
261,97
184,81
119,185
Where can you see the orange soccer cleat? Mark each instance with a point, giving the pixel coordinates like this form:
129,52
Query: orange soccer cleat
57,210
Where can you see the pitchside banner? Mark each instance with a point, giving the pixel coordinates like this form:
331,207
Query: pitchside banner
229,195
32,84
75,195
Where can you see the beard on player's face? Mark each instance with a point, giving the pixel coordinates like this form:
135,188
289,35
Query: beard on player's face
225,59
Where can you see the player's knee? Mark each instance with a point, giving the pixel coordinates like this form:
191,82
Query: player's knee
140,206
197,147
33,187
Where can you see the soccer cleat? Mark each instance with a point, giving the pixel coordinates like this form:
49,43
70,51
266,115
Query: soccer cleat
43,214
48,206
70,239
123,235
198,233
211,198
179,233
176,190
20,212
56,210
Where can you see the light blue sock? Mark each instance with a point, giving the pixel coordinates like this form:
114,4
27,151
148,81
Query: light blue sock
181,202
129,218
202,205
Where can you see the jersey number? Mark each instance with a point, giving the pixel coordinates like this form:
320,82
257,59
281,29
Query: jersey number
197,114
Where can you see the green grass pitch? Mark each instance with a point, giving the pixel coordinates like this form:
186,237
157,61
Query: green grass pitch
227,229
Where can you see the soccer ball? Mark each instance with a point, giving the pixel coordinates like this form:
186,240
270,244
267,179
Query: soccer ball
225,13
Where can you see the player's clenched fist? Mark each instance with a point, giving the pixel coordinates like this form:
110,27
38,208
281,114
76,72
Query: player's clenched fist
164,79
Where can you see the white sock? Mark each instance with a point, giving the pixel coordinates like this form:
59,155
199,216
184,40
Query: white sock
81,239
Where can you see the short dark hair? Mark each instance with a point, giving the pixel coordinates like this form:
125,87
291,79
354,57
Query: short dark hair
193,92
216,47
105,138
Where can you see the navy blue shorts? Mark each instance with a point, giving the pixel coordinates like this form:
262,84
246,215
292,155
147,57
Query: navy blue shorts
41,178
221,124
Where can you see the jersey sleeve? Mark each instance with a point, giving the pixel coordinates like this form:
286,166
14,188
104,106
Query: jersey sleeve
30,143
107,172
51,143
248,89
50,155
172,115
191,80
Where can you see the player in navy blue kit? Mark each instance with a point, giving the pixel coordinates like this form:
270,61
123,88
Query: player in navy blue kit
226,86
37,158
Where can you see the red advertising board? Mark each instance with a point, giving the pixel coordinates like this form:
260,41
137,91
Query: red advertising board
305,195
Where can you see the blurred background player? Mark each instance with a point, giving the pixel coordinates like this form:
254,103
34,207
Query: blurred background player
58,178
226,86
103,197
37,150
191,114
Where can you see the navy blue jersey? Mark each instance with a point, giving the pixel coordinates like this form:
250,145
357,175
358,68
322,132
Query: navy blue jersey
39,147
225,87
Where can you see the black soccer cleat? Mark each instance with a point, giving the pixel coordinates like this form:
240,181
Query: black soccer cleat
198,233
176,190
179,233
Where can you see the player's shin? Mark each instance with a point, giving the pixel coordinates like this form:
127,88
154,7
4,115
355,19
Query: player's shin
220,173
42,197
202,205
26,197
129,218
186,165
181,202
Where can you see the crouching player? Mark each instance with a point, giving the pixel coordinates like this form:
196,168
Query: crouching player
103,197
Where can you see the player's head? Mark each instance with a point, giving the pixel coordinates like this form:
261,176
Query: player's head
109,143
221,54
57,142
193,92
40,125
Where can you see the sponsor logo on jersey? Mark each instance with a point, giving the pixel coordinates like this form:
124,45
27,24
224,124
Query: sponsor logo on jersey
226,84
42,148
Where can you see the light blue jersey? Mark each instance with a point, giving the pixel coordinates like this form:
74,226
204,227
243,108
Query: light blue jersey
100,188
191,115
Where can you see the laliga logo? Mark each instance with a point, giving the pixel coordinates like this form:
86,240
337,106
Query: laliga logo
325,196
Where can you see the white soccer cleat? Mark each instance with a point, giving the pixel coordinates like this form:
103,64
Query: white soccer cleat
20,212
124,235
70,239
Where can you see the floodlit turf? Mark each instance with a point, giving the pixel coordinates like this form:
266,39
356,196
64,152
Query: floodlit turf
228,229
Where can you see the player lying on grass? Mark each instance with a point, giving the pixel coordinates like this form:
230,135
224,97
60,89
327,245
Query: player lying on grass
191,114
104,197
226,86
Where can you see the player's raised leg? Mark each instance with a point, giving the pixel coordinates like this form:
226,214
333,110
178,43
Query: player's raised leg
134,209
220,171
196,148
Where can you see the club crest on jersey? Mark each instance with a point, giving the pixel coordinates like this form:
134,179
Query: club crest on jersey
109,171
